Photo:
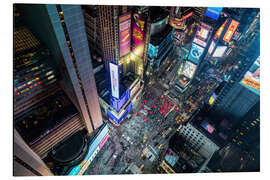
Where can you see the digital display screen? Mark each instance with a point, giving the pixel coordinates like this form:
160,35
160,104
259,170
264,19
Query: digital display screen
199,42
114,75
212,98
211,47
137,34
220,50
151,51
195,53
189,69
251,79
118,103
202,33
182,81
220,30
207,127
213,12
124,33
230,31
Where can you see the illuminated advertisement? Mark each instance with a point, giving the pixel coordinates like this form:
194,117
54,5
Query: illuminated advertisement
95,146
199,42
251,79
211,47
189,69
207,127
152,51
236,35
230,31
195,53
212,98
202,33
137,35
114,75
118,103
116,119
179,23
213,12
135,89
220,30
220,50
124,33
182,81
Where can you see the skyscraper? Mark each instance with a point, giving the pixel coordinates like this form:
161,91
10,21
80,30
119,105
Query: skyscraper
40,104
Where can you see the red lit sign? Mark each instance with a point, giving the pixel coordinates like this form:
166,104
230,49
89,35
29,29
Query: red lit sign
186,16
232,28
220,30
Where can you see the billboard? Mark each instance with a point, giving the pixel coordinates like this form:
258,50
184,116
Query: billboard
182,81
95,146
199,42
203,32
195,53
212,98
118,103
251,79
114,75
124,33
178,37
152,51
211,47
230,31
220,50
189,69
207,127
123,114
220,30
213,12
138,34
179,23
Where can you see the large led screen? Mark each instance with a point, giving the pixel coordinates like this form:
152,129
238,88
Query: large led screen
213,12
251,79
207,127
202,33
195,53
189,69
137,35
230,31
220,30
114,75
220,50
124,33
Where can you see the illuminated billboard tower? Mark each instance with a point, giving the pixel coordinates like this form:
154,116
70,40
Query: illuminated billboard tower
221,45
122,47
196,54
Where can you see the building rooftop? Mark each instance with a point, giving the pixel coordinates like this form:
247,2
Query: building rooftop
157,13
202,118
158,38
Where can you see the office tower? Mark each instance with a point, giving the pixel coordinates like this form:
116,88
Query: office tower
68,22
51,39
93,31
118,32
160,35
242,153
246,133
108,24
